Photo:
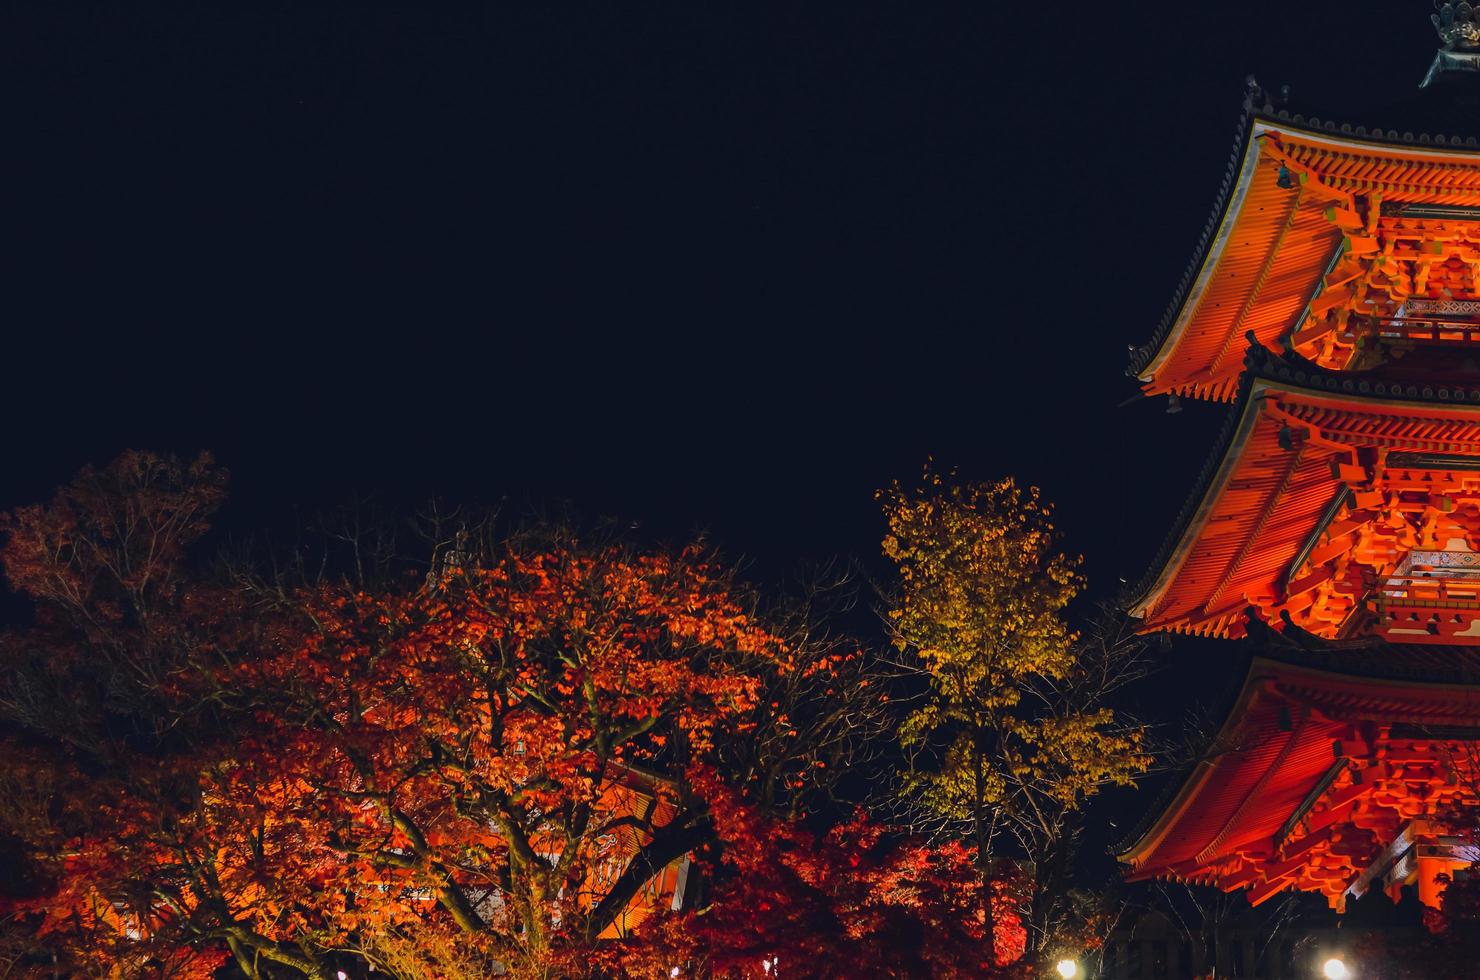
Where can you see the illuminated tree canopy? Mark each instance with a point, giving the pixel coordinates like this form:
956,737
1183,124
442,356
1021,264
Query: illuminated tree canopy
548,756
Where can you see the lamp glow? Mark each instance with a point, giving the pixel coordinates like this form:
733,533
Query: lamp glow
1335,969
1068,969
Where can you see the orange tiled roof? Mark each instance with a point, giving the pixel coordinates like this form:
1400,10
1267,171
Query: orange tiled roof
1278,231
1312,775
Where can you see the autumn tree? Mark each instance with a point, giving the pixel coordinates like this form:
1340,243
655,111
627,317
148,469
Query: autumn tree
1013,734
94,735
855,899
475,750
450,774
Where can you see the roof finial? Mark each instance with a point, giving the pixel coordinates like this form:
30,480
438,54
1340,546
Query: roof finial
1457,25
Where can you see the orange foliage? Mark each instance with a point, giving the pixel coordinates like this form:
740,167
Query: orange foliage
449,778
852,901
473,753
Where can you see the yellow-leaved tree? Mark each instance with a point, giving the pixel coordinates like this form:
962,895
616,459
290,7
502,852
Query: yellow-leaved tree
1012,734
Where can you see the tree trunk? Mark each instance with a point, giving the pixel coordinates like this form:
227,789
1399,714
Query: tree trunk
984,856
1049,875
245,961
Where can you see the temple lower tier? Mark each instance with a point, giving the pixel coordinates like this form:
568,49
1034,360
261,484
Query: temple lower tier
1339,771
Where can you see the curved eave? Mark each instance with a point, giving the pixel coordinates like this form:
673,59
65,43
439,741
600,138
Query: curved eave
1138,852
1164,817
1151,358
1194,518
1265,249
1148,359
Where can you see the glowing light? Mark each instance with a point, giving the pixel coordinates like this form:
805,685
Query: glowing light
1068,969
674,972
1335,969
341,975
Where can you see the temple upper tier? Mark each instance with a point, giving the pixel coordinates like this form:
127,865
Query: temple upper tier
1354,247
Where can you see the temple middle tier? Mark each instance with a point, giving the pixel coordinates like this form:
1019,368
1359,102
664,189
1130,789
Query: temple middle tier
1345,505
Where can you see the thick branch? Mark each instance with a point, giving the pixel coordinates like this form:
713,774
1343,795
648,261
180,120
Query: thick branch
670,842
449,895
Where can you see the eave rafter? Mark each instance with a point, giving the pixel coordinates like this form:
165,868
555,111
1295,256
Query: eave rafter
1215,846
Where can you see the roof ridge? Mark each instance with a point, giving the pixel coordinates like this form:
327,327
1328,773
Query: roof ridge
1291,367
1142,355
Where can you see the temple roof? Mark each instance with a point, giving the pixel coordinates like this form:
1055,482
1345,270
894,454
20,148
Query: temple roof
1340,495
1368,657
1271,236
1274,789
1274,473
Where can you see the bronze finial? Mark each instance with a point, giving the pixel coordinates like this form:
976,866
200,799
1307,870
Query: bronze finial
1457,25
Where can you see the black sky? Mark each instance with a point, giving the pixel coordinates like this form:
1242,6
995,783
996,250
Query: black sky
728,266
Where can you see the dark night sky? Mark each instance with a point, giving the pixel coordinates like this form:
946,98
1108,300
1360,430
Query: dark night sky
690,264
719,265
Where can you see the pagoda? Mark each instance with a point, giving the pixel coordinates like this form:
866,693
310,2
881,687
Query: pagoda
1333,306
